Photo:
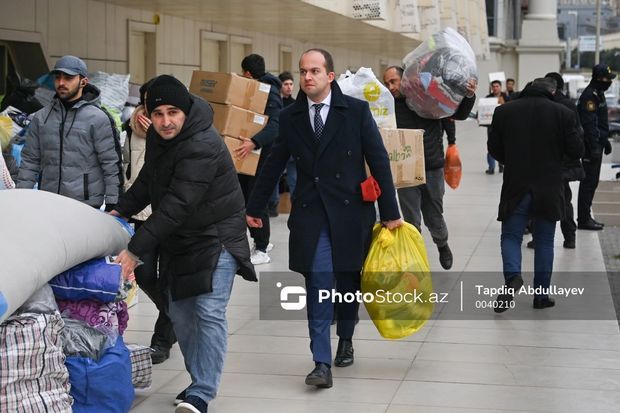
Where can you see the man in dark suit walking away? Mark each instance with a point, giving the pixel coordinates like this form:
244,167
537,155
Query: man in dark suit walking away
329,135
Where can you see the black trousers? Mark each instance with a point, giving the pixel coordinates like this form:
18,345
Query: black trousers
587,187
148,280
568,225
259,235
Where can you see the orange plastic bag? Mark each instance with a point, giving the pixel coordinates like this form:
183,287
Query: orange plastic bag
452,168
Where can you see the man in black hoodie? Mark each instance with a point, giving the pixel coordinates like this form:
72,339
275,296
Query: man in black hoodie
427,200
253,67
197,224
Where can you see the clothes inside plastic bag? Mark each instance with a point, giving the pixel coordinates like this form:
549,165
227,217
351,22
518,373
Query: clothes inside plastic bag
364,85
96,279
80,339
397,273
41,302
96,314
103,385
21,95
436,74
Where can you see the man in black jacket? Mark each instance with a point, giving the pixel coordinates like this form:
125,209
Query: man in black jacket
594,119
427,200
197,224
253,67
533,153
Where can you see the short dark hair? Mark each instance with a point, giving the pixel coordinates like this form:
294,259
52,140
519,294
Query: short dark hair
397,68
547,83
510,80
329,62
284,76
559,81
499,82
255,64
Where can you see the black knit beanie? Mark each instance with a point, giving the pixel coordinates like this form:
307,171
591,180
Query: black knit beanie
167,90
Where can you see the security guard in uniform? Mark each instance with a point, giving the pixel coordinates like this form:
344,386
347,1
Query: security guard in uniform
593,115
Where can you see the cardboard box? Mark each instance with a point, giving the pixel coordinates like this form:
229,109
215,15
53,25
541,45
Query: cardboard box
486,108
405,147
245,166
284,205
230,89
237,122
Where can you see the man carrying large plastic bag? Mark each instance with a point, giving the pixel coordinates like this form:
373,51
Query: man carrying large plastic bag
437,74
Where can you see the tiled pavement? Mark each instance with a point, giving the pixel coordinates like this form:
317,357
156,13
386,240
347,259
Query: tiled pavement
535,364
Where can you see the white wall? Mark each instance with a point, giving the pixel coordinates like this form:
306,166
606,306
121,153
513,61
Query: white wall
97,32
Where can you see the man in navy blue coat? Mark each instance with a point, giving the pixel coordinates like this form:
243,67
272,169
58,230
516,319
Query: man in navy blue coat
329,135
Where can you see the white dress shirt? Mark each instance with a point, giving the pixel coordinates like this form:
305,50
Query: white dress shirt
324,110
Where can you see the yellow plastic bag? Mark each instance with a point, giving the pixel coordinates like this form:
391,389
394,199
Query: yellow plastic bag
397,274
6,131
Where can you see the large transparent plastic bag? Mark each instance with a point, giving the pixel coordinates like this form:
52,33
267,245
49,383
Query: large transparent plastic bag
436,74
364,85
397,273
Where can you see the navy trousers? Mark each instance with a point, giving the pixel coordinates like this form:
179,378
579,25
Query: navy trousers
320,314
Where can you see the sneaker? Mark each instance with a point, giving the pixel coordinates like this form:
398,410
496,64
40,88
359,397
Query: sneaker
192,404
268,249
180,398
259,257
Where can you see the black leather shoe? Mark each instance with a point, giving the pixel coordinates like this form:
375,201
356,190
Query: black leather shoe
569,243
531,244
489,172
501,169
344,354
321,376
159,354
540,303
589,225
445,257
503,301
598,223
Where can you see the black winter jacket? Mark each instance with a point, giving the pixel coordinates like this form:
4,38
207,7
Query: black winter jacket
433,129
594,120
198,207
533,151
573,170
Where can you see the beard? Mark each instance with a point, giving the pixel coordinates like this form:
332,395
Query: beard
69,95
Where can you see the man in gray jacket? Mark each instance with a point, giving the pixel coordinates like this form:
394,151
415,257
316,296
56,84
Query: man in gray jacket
72,147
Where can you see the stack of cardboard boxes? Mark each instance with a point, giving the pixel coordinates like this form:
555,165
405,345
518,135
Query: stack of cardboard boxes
238,104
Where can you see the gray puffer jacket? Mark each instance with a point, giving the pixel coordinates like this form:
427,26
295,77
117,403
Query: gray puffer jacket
75,153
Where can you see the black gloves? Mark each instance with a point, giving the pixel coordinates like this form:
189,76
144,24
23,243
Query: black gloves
109,207
607,148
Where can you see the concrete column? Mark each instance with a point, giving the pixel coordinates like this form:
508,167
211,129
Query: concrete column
539,47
